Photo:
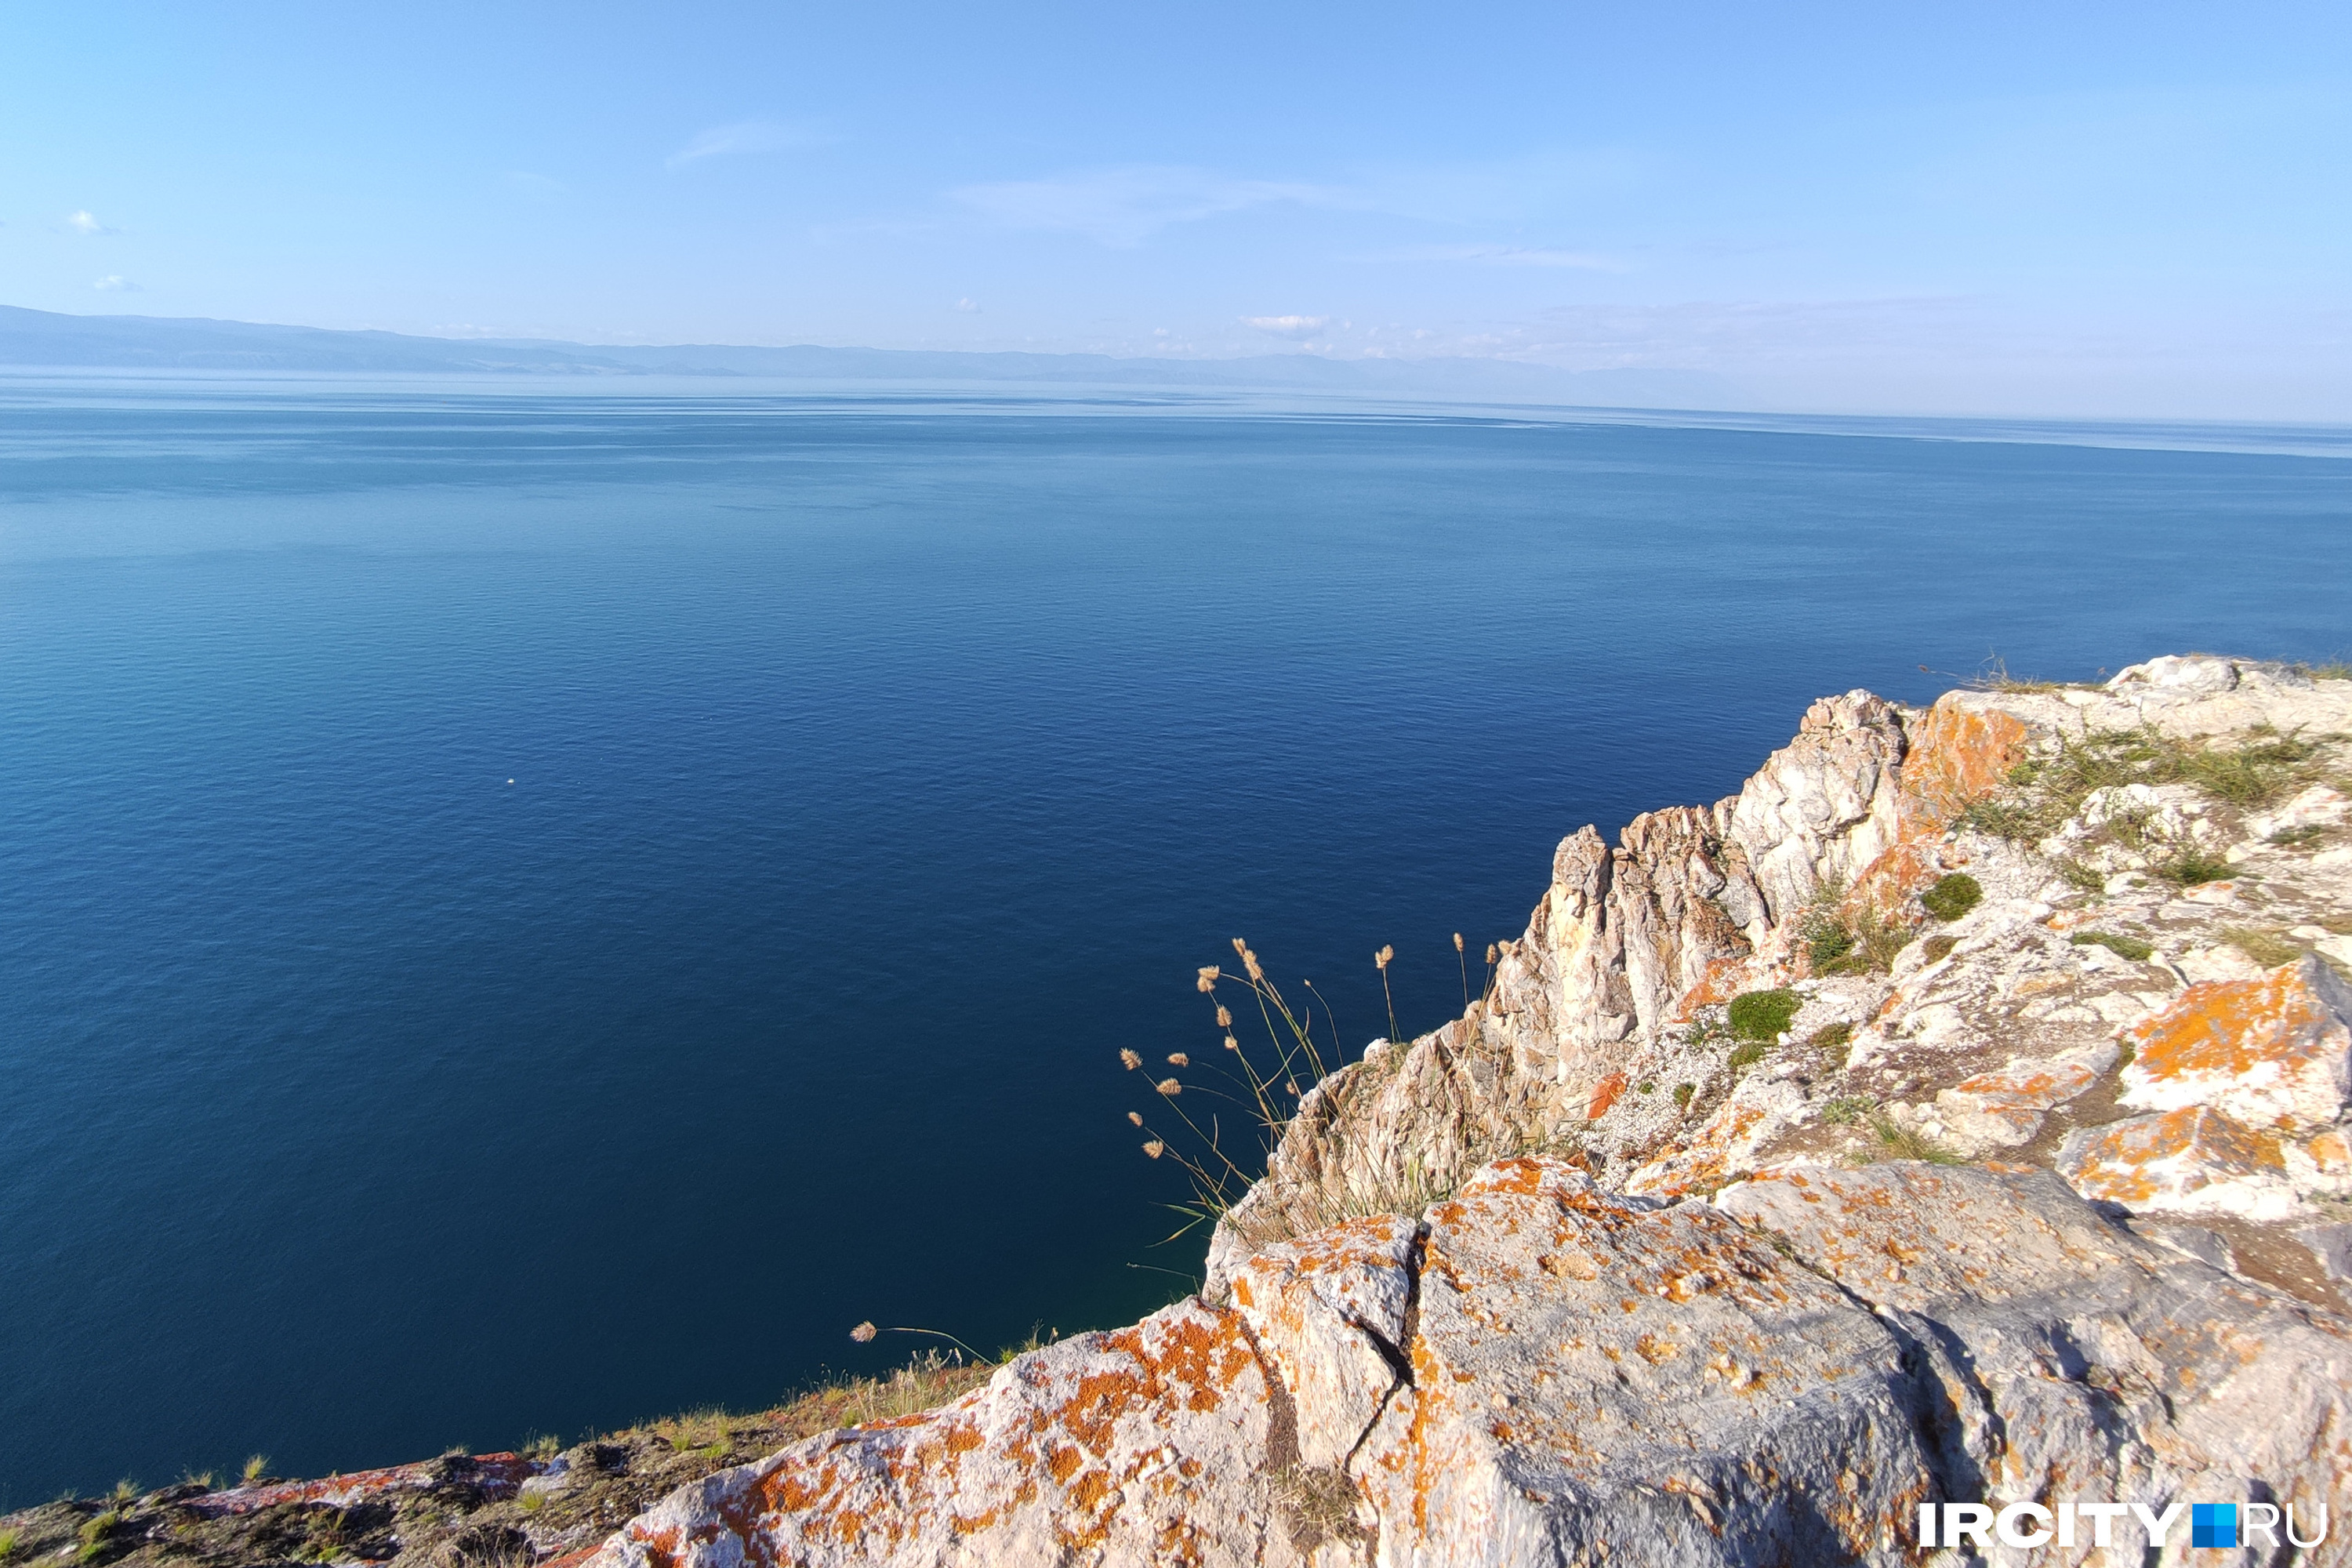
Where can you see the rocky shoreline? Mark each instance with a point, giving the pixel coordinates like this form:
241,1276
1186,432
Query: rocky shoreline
1957,1115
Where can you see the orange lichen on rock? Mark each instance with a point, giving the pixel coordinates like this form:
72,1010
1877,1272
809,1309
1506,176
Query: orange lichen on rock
1887,886
2195,1160
1957,755
1075,1450
2275,1052
1604,1095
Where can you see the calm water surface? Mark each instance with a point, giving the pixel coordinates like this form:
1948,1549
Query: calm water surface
523,912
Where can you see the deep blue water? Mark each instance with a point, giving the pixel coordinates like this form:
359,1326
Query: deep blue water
524,911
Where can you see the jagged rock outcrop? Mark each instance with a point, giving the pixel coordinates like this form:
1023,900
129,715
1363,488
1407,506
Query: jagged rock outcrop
1571,1280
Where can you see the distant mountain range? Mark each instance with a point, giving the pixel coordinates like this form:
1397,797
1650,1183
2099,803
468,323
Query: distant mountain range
44,338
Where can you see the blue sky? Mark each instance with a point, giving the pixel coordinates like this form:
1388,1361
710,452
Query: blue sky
2089,208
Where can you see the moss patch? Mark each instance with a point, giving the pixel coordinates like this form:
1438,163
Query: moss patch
1952,896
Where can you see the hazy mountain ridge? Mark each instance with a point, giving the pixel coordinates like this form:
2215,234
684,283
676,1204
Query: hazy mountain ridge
49,340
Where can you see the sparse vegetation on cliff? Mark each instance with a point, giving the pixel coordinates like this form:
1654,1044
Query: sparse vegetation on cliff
1953,895
1762,1015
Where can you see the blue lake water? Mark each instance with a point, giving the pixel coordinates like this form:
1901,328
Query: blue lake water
522,909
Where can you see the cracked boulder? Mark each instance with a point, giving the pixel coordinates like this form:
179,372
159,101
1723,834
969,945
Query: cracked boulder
1600,1379
2065,1356
1331,1312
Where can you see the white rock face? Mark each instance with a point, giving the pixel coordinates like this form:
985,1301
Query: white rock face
2073,1358
1597,1382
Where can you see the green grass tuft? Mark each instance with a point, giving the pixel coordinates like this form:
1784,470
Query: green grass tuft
1905,1144
2193,868
1952,896
1683,1092
2268,948
2129,947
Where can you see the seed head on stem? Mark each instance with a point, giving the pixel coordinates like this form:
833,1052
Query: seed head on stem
1169,1087
1131,1060
1380,962
1179,1059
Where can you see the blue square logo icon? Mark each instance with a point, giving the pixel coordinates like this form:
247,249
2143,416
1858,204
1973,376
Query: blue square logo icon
2213,1524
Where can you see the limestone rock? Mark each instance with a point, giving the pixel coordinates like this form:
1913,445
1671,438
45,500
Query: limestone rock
1145,1446
2002,1108
2273,1053
2077,1360
1332,1313
2191,1161
1599,1380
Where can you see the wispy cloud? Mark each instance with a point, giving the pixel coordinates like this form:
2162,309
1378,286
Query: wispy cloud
1288,326
1508,256
968,304
745,136
87,223
111,284
1125,206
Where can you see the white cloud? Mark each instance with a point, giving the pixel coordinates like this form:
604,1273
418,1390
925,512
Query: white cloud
1288,326
1508,256
87,223
113,285
968,303
1125,206
747,136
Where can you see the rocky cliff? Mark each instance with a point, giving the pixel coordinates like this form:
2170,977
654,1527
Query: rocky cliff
1956,1116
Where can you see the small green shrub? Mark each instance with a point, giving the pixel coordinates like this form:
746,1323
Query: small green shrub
1831,1037
1846,1110
2302,838
1940,948
1762,1015
1952,896
1747,1055
1645,1087
1867,945
8,1539
1683,1092
2129,947
1827,941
